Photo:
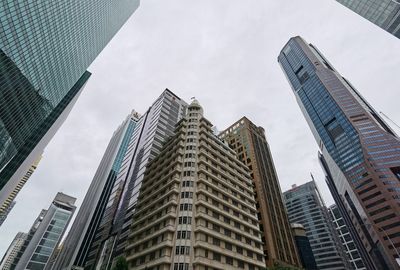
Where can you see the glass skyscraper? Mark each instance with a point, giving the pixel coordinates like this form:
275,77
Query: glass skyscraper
45,49
306,207
359,152
383,13
45,234
346,238
77,243
151,131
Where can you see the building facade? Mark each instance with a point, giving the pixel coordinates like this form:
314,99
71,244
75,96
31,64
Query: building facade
45,49
304,248
306,207
346,238
45,234
196,209
12,251
77,243
152,130
252,148
5,211
359,152
9,202
383,13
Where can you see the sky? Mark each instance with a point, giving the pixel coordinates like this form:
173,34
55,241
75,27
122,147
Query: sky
224,53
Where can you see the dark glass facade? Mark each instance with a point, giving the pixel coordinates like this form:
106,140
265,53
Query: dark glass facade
358,149
45,49
306,207
152,130
383,13
346,238
304,248
76,245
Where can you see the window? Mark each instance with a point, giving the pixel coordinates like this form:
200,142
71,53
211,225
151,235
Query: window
182,250
185,207
216,242
216,256
185,220
229,260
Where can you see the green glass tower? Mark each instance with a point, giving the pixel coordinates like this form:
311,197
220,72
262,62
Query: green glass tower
45,49
383,13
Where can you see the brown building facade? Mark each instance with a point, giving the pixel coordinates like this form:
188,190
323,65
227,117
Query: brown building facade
251,146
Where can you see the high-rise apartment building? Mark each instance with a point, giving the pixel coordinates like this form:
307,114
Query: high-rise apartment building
346,238
77,243
306,207
5,211
196,208
46,234
303,247
383,13
359,152
7,201
252,148
45,49
152,130
13,250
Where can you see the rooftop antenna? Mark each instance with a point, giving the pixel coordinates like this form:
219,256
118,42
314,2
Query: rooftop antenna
391,121
312,176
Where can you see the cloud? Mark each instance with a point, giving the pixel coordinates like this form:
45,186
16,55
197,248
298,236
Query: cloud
224,53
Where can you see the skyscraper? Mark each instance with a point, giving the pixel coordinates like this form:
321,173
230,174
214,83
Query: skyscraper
359,152
196,209
46,234
77,243
383,13
152,130
303,246
45,49
306,207
5,211
251,146
7,201
12,251
346,238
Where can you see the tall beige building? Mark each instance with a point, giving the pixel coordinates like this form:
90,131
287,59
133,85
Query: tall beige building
251,146
196,209
7,201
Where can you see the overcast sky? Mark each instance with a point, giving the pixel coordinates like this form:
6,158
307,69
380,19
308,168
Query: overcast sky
223,52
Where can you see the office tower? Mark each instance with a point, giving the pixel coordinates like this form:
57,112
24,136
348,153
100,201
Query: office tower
346,238
8,202
303,246
12,251
29,237
360,154
46,234
78,241
383,13
152,129
252,148
306,207
5,211
196,209
45,49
